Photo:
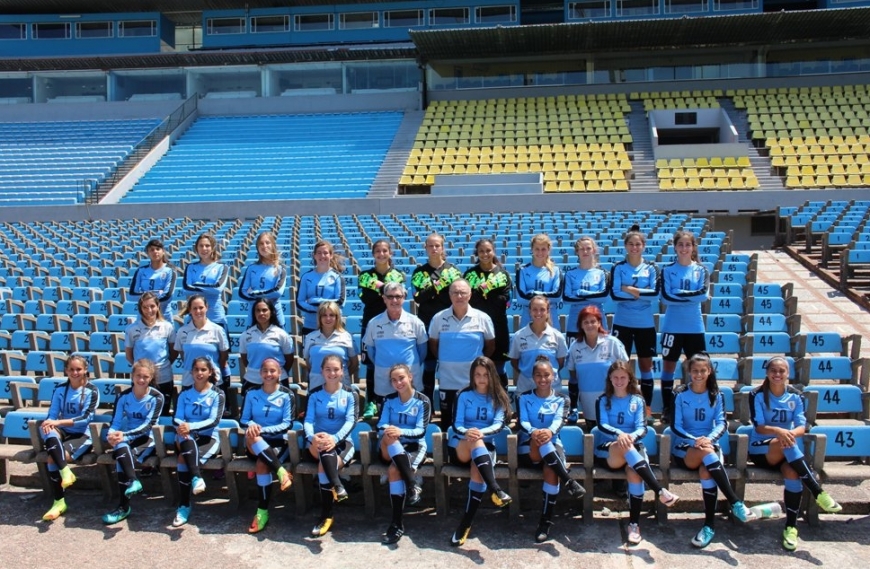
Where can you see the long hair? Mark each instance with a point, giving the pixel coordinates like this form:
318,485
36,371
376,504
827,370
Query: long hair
81,359
213,373
336,261
594,248
495,260
494,389
633,388
544,239
146,296
215,252
765,386
334,308
190,301
147,365
539,298
380,242
712,384
440,238
275,258
691,236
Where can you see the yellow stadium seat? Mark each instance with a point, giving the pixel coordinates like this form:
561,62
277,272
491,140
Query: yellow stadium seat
666,184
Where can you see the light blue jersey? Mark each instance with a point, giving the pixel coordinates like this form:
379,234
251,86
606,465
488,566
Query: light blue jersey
695,417
210,281
584,287
634,312
617,415
264,281
683,290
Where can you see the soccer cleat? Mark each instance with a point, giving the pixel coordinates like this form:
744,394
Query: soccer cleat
415,495
827,503
542,533
575,490
134,488
261,518
197,485
57,510
119,514
286,481
704,537
182,514
573,417
461,534
393,535
668,498
370,411
322,527
742,513
67,478
634,534
789,538
339,493
500,498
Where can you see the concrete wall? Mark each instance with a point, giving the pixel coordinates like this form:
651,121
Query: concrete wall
87,111
403,101
707,203
488,184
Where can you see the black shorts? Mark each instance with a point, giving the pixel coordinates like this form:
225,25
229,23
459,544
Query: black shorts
413,449
642,339
680,462
453,459
75,445
673,344
207,447
760,460
344,449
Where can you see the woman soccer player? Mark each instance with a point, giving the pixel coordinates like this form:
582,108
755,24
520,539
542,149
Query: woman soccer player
202,337
208,277
585,285
157,277
698,423
482,410
197,414
402,430
538,338
330,338
491,293
331,415
65,433
541,277
266,417
618,446
152,337
542,413
321,284
635,288
267,277
589,358
265,339
777,412
130,436
685,285
371,293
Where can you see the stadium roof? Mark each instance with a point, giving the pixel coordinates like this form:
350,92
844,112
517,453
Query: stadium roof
179,11
778,28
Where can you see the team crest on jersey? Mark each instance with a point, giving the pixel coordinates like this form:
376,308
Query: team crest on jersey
791,405
342,400
633,407
549,408
413,411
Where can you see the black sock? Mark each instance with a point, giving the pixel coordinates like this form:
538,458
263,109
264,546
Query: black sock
403,464
124,457
807,478
484,466
54,448
792,507
647,387
326,500
717,472
54,481
549,506
635,503
710,496
329,461
265,496
573,394
553,460
667,396
190,455
123,484
472,504
270,459
184,478
398,503
646,474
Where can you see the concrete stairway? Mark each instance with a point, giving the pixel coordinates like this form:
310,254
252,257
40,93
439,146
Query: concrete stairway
387,179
